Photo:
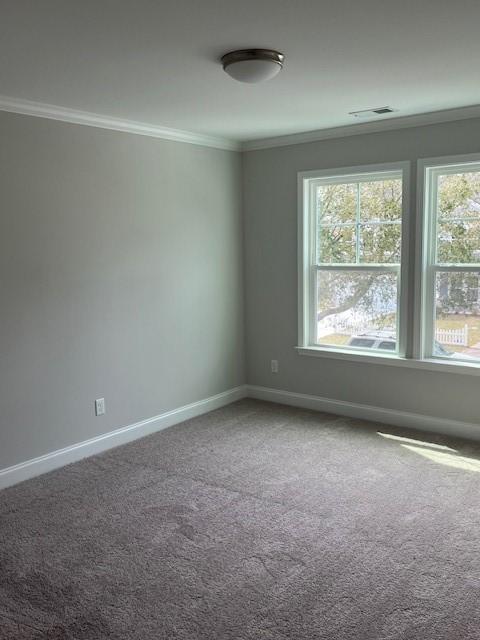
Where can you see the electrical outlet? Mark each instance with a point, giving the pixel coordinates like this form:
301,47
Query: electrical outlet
274,365
99,406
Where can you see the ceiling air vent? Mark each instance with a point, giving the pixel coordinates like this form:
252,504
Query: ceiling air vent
371,113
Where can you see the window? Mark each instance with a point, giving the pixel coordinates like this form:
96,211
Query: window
352,238
353,266
451,265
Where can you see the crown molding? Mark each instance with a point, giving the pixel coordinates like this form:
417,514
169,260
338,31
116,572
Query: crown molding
64,114
403,122
74,116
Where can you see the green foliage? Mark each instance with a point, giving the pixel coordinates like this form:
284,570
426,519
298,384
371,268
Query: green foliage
458,242
336,204
380,201
381,244
337,244
459,195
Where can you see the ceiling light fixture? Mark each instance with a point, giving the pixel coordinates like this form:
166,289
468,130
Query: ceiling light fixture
252,65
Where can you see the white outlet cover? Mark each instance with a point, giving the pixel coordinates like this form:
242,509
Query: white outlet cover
100,406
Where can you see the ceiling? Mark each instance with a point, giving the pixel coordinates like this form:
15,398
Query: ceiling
156,61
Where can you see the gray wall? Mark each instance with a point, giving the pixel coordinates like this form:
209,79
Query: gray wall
120,277
270,203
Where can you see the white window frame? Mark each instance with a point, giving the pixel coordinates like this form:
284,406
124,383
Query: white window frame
306,268
413,351
428,171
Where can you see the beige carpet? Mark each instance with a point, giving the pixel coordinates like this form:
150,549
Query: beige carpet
256,522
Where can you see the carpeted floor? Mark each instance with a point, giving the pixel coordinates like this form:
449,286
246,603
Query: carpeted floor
256,521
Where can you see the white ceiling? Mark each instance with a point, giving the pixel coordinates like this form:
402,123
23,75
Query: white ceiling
156,61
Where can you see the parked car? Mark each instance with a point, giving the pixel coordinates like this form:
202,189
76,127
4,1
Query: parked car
376,340
385,340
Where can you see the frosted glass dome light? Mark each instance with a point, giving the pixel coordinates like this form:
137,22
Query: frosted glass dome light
253,65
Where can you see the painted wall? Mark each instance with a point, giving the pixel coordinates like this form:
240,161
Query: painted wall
121,277
270,203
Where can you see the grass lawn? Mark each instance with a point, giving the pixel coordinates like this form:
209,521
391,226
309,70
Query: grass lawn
335,339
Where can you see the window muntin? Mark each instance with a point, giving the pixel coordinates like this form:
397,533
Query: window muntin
451,313
354,245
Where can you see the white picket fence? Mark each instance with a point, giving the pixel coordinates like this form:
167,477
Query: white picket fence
444,336
453,336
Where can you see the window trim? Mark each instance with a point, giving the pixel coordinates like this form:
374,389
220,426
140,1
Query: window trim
306,238
391,360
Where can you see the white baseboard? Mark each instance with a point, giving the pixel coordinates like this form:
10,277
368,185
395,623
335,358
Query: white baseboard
55,459
368,412
61,457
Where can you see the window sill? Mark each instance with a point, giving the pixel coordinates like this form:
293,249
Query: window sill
391,360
